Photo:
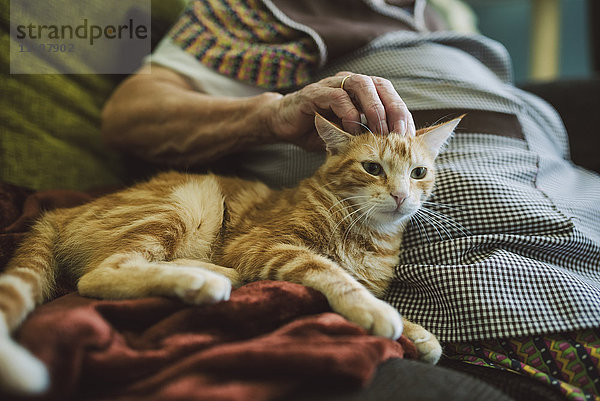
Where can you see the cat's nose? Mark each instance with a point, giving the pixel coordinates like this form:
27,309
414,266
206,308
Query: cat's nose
398,197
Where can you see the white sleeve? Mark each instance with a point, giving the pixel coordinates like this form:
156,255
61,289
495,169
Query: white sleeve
205,80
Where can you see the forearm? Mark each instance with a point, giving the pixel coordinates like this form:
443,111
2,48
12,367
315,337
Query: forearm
159,117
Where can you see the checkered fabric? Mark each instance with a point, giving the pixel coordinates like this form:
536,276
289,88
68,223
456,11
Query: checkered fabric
509,244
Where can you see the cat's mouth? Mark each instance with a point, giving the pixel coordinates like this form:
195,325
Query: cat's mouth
400,211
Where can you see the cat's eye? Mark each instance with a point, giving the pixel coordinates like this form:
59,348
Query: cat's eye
372,168
418,173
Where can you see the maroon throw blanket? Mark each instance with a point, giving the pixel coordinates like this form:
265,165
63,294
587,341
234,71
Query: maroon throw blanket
270,340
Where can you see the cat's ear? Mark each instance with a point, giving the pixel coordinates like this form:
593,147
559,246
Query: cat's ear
436,137
334,137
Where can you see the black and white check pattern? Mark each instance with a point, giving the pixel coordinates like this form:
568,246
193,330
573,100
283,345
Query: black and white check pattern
496,257
509,244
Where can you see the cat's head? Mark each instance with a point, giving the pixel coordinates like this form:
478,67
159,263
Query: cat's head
385,177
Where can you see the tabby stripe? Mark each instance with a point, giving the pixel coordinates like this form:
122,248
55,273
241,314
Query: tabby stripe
275,264
400,149
158,226
253,260
282,255
361,180
36,260
320,198
343,168
299,271
331,281
294,271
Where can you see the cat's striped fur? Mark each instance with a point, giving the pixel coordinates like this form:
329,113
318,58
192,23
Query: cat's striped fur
194,236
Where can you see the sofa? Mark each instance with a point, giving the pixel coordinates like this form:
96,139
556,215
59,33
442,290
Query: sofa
274,341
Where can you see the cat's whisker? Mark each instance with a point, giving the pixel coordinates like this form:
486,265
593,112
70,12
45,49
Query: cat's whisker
431,222
368,214
449,220
439,120
335,230
450,206
436,221
440,219
380,121
375,153
327,184
362,206
362,125
354,223
345,209
380,129
322,186
424,220
372,133
442,205
349,215
434,218
345,199
416,220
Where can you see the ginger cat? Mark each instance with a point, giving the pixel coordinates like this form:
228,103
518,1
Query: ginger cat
195,236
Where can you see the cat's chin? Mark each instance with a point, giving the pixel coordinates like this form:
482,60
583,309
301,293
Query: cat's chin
389,221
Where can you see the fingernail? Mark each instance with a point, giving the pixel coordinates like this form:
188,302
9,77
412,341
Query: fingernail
402,127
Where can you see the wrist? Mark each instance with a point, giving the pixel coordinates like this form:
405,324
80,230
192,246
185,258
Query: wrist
268,108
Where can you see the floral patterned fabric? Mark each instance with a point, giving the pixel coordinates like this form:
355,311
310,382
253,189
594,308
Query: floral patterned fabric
570,362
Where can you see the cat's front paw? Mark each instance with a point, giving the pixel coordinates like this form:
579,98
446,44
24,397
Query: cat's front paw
374,315
202,287
428,346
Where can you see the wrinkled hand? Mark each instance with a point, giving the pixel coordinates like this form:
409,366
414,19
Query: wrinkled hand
291,117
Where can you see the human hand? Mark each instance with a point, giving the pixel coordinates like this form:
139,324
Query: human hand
291,117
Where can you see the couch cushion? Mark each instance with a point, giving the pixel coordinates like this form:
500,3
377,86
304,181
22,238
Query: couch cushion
50,123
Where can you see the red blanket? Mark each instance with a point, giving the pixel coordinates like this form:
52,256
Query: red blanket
270,340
